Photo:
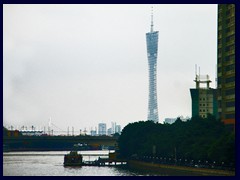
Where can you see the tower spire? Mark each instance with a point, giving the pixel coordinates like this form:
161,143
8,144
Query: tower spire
152,19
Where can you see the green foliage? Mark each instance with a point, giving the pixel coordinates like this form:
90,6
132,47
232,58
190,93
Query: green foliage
5,131
198,139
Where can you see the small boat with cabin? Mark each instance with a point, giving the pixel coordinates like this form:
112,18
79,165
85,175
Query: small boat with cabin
73,159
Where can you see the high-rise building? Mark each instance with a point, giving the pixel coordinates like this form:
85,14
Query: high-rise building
226,63
93,132
113,127
152,50
204,99
109,131
118,129
102,129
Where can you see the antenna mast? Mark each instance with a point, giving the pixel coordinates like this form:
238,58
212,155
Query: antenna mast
152,19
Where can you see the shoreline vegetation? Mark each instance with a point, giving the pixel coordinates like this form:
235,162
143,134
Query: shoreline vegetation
196,144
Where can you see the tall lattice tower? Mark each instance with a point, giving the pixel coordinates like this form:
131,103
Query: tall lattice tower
152,50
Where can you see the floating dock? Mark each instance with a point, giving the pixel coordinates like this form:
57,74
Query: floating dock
105,162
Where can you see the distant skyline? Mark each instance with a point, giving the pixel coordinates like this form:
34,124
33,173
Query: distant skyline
85,64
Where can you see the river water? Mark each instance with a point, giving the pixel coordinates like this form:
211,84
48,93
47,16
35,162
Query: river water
50,163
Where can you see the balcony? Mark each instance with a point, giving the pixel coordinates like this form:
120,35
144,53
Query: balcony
230,33
230,52
230,42
231,23
229,85
231,72
231,61
230,109
230,97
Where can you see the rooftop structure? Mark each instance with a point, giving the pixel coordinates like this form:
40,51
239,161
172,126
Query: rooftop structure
204,99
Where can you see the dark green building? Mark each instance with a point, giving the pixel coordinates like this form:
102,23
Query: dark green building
204,99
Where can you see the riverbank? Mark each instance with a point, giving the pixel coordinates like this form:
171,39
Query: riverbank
172,170
55,143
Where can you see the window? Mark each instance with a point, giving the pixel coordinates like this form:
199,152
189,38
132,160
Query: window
230,79
219,69
230,38
228,48
230,104
230,67
227,58
230,116
229,92
219,80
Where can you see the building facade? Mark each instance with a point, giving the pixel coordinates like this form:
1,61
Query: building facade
102,129
226,63
152,50
118,129
204,99
113,124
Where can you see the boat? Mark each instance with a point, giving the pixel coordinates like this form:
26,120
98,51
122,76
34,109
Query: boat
86,147
73,159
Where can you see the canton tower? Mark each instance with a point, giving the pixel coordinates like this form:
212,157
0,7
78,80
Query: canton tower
152,50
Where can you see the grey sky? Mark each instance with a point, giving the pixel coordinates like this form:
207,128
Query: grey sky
85,64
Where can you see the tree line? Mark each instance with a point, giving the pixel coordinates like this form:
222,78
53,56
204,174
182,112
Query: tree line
198,139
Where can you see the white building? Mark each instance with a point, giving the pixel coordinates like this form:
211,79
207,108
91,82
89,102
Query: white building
31,132
109,131
172,120
118,129
169,120
113,127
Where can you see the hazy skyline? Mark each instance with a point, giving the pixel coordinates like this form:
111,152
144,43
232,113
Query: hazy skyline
86,64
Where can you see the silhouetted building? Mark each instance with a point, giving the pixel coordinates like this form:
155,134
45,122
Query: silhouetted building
226,63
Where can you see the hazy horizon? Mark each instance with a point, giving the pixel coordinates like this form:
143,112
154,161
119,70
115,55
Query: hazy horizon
86,64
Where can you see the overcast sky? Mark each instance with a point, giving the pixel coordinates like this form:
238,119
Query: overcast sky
86,64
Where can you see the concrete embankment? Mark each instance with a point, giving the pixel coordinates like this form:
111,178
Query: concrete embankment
172,170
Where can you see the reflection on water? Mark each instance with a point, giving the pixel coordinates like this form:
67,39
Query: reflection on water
51,164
